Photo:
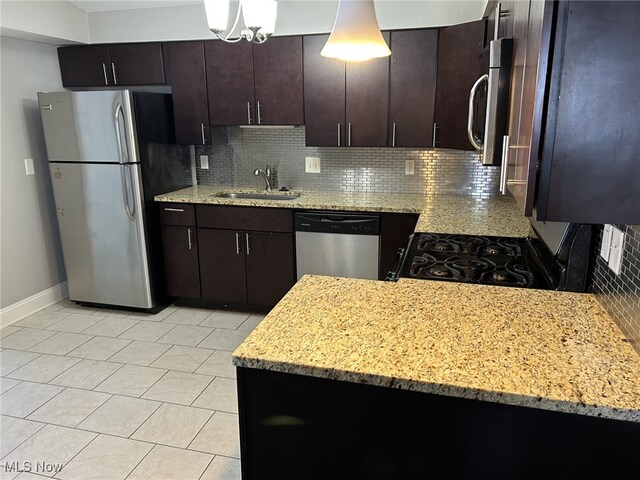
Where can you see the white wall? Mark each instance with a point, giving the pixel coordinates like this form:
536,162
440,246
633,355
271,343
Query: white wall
30,259
294,17
52,22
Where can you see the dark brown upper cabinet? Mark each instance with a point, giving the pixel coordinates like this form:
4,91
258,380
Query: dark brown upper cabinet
189,92
589,163
230,83
255,84
346,104
412,87
324,95
82,66
108,65
459,50
277,69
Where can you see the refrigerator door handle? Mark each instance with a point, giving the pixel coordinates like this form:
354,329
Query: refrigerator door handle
121,150
129,209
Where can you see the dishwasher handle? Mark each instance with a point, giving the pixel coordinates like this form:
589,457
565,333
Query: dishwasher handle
336,222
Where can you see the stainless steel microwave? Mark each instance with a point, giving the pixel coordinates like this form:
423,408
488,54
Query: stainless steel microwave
488,119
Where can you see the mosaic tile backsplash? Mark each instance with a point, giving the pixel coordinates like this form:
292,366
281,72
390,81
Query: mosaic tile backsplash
620,295
237,152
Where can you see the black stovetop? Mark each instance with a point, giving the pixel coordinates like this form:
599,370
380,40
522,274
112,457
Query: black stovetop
474,259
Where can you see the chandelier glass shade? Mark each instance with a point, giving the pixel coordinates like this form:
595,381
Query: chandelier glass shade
259,19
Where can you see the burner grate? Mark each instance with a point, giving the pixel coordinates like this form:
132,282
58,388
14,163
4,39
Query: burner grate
476,259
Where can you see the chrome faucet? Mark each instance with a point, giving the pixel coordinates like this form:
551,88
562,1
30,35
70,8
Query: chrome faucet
266,174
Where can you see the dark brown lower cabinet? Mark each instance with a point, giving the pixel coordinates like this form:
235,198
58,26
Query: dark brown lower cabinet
395,229
245,266
180,250
222,266
269,266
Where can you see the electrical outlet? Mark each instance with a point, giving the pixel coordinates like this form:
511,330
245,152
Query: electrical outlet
28,166
617,249
312,164
204,162
409,167
605,248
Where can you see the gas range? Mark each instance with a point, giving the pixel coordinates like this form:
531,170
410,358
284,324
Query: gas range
504,261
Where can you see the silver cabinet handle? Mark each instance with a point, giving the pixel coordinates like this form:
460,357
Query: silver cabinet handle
259,116
472,98
167,209
246,236
202,131
115,77
393,135
249,113
338,133
189,238
349,134
104,71
435,126
237,243
505,165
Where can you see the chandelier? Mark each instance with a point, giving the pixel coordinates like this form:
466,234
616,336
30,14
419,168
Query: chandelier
259,19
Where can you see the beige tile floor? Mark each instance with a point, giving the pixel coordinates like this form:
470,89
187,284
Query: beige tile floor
111,395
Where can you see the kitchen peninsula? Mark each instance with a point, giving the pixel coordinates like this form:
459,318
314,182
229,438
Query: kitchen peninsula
437,380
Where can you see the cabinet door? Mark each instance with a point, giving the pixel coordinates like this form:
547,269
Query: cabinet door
85,66
367,101
189,92
277,66
395,230
222,265
459,50
412,87
324,95
230,83
590,169
137,63
180,251
270,274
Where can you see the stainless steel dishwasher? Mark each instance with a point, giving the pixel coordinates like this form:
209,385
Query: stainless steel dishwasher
337,244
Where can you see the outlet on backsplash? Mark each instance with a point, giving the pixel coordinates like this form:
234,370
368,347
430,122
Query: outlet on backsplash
312,164
409,167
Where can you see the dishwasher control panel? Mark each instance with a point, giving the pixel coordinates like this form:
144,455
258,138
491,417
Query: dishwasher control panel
337,222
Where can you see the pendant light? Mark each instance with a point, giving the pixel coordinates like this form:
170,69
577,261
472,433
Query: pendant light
356,34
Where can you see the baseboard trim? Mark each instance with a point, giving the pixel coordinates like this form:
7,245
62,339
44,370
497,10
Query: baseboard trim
31,305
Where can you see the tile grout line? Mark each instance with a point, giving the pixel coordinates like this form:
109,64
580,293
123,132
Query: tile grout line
26,439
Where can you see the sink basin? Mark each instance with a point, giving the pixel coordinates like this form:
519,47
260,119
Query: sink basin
259,196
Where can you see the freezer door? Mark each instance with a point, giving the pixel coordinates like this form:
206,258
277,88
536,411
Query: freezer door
101,222
96,126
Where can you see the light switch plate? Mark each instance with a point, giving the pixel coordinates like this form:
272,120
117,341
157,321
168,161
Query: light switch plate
409,167
204,162
28,166
605,248
312,165
617,250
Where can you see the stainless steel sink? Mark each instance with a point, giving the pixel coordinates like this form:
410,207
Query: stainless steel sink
259,196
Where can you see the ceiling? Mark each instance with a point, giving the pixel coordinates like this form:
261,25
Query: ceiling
107,5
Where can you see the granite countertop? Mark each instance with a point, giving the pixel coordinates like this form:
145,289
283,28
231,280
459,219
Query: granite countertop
497,216
543,349
455,214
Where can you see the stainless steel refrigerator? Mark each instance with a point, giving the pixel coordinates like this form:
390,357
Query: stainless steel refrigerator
109,153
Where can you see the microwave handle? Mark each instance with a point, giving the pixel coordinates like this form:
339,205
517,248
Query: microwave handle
472,98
